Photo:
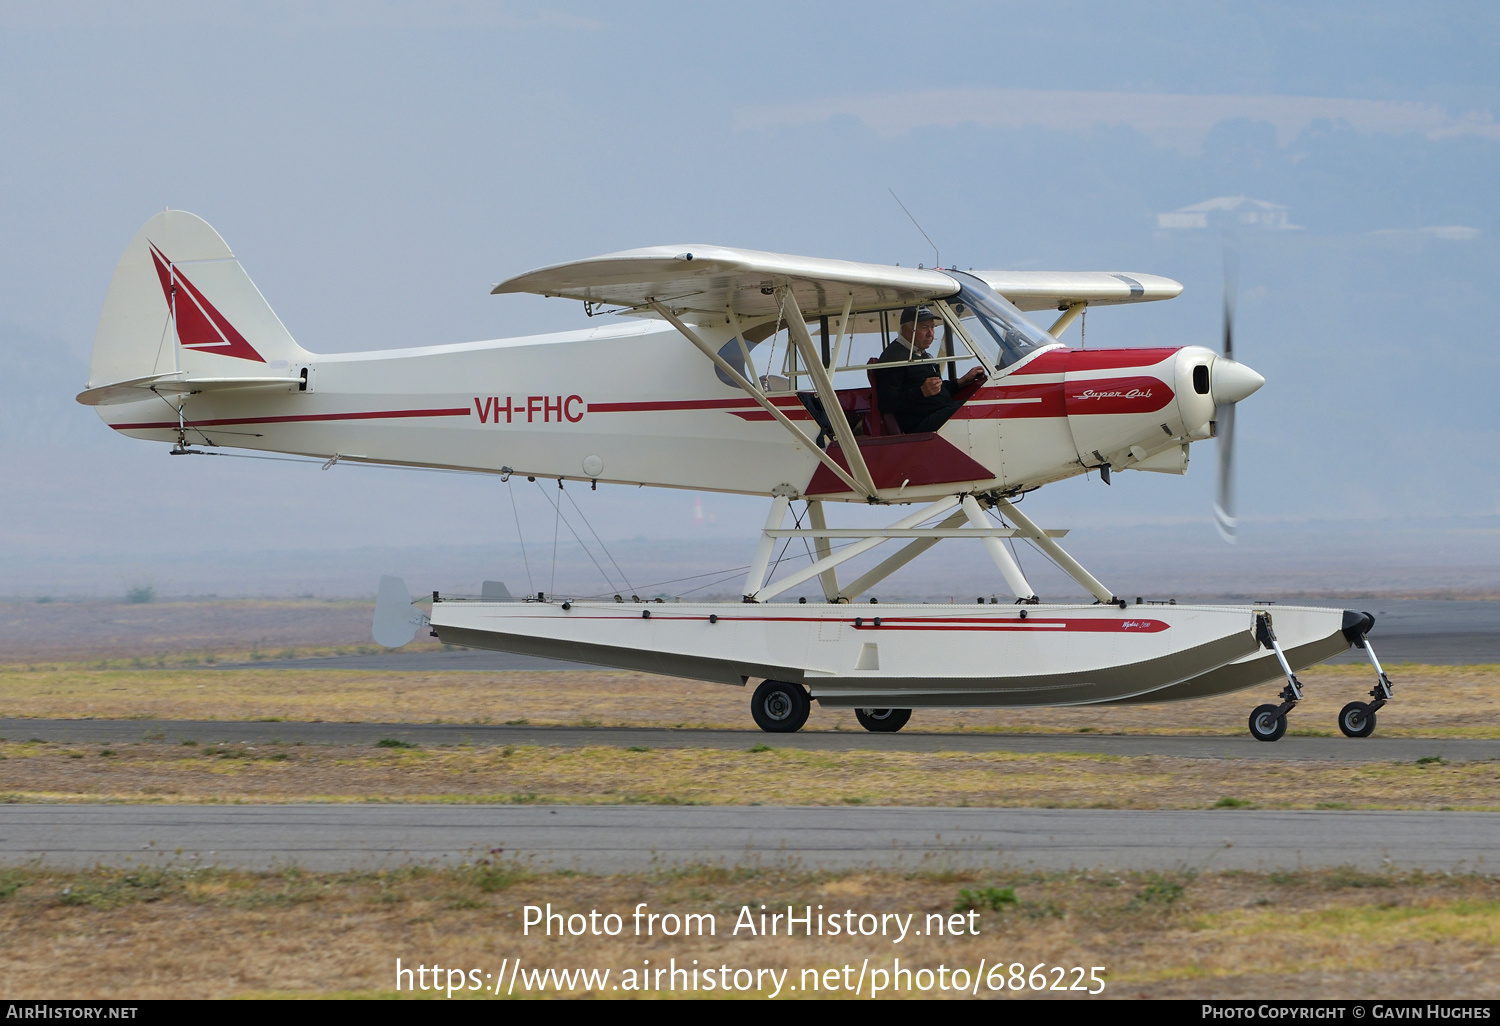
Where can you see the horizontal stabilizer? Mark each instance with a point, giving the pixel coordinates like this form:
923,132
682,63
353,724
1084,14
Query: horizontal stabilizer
136,389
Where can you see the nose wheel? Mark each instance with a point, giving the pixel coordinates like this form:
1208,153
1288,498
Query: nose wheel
1267,723
780,707
1357,720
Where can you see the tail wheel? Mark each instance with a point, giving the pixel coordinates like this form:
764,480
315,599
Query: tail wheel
1267,723
882,721
779,707
1356,720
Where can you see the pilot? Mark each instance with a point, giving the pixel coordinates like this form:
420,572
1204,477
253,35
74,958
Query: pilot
917,396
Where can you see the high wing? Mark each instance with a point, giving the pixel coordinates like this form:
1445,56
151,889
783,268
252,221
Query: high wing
1058,290
699,282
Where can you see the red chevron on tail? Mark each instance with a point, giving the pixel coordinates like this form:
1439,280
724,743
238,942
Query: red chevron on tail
199,324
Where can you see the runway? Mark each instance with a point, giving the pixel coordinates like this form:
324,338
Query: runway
1432,631
615,839
1342,749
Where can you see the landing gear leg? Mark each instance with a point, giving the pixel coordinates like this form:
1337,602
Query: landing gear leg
780,707
1268,722
1357,719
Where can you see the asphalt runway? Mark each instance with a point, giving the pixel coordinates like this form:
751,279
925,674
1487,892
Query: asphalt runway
1342,749
615,839
1406,631
1430,631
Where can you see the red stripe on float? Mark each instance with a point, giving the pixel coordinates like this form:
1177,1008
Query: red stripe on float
1087,626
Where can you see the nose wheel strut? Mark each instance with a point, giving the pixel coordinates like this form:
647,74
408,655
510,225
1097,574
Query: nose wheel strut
1268,722
1357,719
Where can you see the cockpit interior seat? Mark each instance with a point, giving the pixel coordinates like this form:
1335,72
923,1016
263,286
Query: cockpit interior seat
885,423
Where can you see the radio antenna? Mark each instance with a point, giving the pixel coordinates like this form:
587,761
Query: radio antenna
937,258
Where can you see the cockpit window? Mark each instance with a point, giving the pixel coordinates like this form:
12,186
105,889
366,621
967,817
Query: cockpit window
1005,328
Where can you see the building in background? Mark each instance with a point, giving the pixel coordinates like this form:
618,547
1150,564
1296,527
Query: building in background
1238,212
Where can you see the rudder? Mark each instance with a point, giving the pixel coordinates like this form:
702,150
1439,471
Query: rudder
179,307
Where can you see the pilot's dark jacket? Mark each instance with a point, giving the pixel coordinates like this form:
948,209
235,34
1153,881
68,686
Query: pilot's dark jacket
899,390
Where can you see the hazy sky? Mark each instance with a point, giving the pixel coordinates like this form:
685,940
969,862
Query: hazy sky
376,165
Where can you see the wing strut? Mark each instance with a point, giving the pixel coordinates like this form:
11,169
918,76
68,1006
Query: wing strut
838,346
797,327
756,394
1068,317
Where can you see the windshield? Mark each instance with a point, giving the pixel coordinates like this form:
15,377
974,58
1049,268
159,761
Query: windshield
1006,328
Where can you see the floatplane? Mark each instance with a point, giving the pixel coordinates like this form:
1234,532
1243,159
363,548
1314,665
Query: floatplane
741,371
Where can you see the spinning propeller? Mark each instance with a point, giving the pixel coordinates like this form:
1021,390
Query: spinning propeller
1231,382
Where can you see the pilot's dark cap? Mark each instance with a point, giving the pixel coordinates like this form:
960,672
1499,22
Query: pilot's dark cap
918,314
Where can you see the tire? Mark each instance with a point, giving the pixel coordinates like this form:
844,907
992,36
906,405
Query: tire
882,721
1356,720
1265,724
779,707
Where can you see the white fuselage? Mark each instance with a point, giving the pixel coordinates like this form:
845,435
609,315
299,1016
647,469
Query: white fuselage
635,403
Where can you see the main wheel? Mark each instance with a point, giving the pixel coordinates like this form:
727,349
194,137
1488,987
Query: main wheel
882,721
1356,720
779,707
1266,724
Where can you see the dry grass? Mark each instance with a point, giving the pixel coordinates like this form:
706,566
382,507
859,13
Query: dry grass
153,772
212,934
1431,701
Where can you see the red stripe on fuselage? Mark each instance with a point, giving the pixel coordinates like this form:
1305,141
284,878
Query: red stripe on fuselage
1060,361
1008,402
662,405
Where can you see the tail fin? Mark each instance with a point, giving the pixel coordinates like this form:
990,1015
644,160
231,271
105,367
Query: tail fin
180,309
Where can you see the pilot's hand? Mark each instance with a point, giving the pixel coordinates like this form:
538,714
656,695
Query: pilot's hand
931,387
974,374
